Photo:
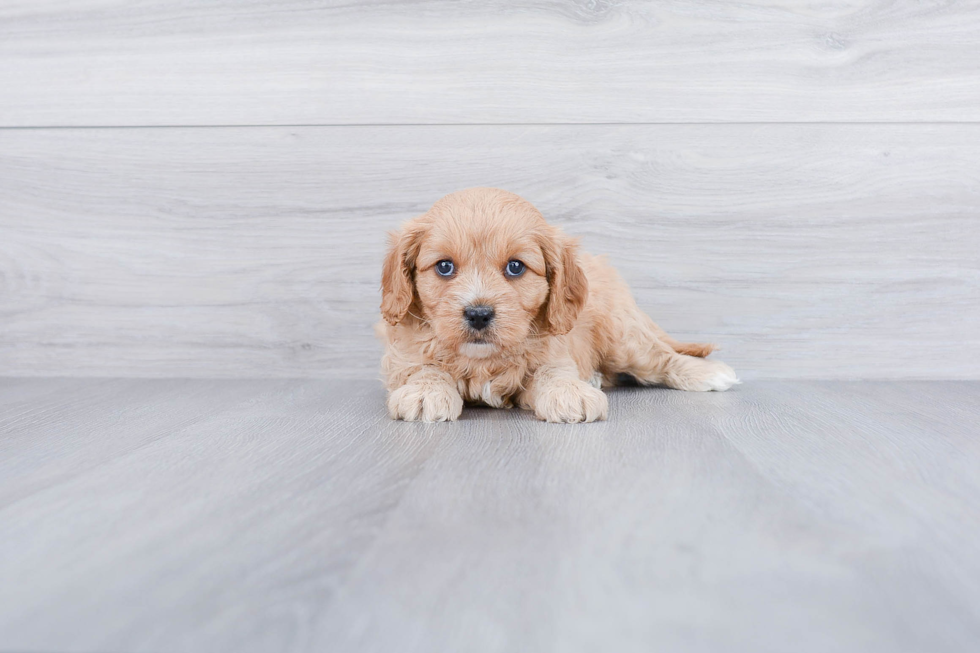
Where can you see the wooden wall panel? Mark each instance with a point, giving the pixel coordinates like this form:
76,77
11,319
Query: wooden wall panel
184,62
834,251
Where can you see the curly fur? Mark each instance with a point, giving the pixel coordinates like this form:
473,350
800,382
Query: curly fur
568,319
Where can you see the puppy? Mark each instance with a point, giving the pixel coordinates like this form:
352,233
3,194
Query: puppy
485,302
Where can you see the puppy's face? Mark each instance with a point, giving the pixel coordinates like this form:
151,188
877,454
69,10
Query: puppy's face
481,283
485,271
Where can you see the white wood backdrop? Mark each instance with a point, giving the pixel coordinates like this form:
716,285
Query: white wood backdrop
188,62
798,182
806,250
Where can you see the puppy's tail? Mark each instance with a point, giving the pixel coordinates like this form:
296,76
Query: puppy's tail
699,349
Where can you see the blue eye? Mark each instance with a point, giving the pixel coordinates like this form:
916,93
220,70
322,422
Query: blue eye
515,269
445,268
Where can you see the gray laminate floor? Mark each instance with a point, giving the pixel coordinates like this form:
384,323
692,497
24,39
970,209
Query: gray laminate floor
293,516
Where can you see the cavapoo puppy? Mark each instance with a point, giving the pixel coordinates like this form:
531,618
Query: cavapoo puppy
485,302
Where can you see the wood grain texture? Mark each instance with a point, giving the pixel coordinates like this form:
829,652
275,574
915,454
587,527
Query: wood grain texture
293,516
304,62
814,251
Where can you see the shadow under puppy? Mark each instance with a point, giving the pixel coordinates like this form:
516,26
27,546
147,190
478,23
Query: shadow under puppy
485,302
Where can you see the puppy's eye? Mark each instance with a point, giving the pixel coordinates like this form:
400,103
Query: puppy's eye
445,268
515,269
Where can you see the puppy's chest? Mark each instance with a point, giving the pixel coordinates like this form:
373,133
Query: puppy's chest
491,387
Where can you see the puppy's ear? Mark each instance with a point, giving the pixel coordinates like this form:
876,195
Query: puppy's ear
398,272
568,285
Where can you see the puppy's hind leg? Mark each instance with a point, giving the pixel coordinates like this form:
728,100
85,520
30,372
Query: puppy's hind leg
653,358
690,373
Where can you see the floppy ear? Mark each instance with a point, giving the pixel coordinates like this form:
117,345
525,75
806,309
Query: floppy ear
397,273
567,283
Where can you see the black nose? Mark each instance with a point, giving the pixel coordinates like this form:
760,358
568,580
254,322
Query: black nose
479,317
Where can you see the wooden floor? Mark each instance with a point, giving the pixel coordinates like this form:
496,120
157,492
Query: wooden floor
278,515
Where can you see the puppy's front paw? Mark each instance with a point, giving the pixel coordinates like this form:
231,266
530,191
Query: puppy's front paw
571,401
425,402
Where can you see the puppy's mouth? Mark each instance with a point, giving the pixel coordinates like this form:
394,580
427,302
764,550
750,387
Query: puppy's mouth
485,337
477,348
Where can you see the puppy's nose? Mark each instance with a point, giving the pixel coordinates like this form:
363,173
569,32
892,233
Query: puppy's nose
478,317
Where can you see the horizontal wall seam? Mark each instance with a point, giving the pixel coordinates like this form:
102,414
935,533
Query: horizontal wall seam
485,124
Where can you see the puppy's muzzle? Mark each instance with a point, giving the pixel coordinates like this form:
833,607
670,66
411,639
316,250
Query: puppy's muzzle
478,317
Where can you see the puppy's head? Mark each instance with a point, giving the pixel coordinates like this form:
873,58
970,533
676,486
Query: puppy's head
485,270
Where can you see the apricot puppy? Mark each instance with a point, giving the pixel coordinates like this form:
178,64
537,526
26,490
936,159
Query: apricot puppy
485,302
